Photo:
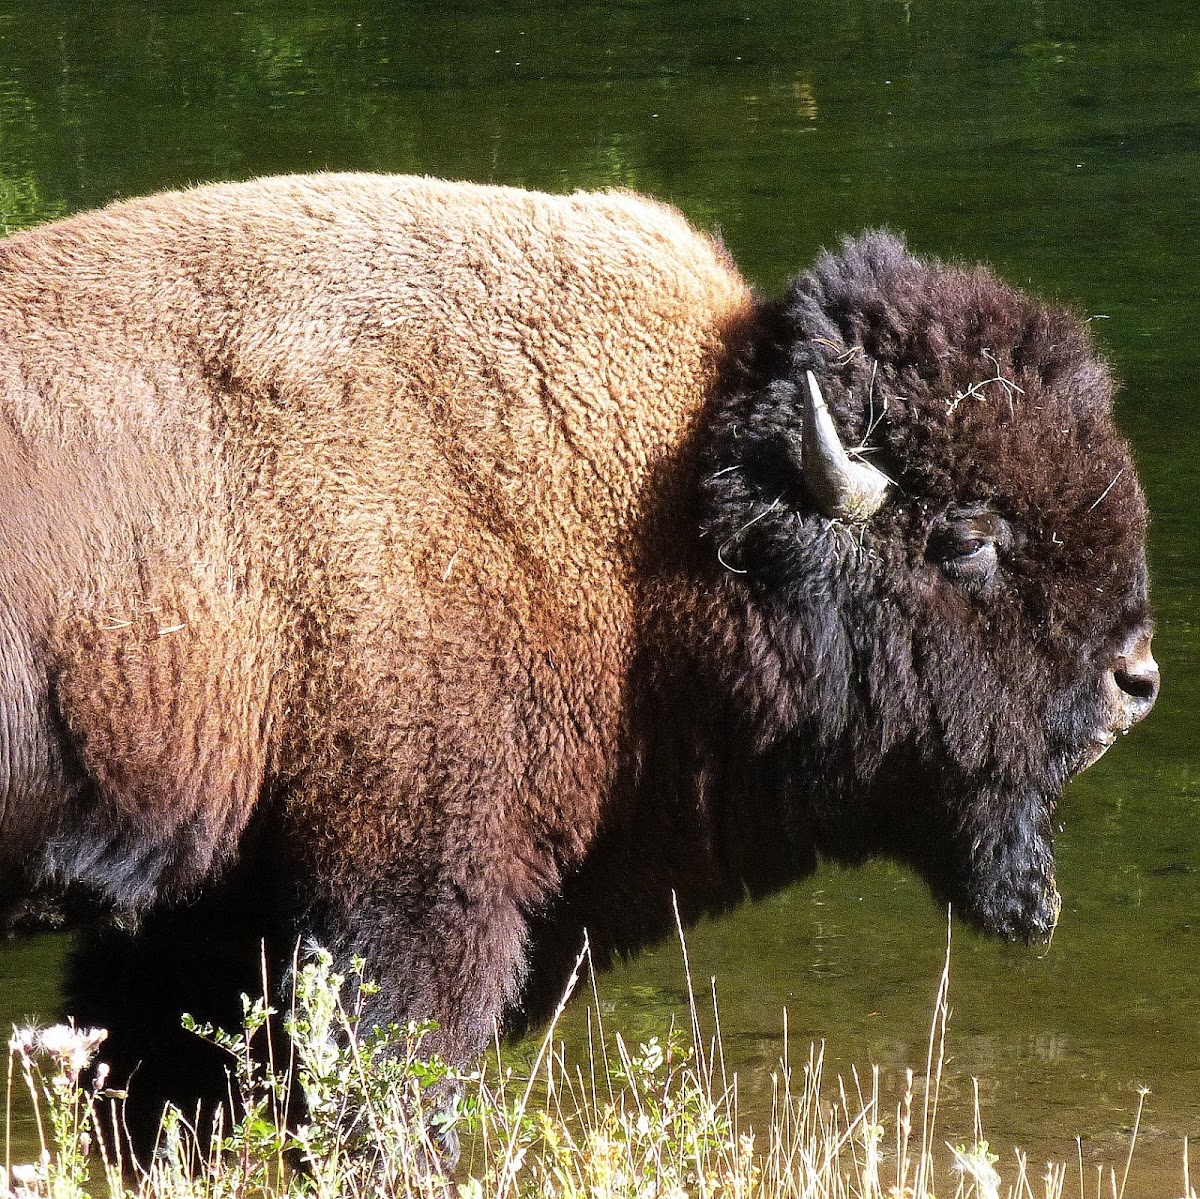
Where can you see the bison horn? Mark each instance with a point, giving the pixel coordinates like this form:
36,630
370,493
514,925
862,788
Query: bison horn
842,487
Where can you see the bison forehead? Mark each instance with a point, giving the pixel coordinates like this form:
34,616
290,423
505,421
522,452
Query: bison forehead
976,393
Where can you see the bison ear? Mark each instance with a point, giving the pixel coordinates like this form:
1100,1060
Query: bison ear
844,489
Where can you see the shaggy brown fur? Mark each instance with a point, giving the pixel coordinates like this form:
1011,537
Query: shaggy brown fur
425,567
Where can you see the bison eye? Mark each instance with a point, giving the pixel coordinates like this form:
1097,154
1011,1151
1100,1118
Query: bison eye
966,546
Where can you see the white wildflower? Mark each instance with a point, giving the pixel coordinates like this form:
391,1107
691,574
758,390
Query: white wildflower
29,1174
73,1048
23,1040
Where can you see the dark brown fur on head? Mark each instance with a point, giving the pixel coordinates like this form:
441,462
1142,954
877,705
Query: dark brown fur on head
938,701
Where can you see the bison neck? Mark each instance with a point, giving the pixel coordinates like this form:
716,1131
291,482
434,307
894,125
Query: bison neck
696,819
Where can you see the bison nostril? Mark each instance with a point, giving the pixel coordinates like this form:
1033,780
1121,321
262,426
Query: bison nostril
1134,681
1141,684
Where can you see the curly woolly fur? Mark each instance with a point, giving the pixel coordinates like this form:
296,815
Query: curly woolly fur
426,568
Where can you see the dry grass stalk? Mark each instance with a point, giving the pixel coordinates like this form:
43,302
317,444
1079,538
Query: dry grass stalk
656,1120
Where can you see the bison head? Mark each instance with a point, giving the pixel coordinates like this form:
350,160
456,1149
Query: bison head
942,580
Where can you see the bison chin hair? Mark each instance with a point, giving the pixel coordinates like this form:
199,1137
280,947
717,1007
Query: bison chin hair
1004,883
986,851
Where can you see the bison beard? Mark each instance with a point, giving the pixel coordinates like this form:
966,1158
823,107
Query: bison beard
439,571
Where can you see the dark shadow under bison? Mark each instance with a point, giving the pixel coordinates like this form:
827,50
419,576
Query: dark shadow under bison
437,571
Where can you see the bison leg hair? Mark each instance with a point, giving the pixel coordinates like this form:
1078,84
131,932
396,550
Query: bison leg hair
457,959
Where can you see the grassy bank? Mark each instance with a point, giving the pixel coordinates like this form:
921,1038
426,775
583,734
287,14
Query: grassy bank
659,1119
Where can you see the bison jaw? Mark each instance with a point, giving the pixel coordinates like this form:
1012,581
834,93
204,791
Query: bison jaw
1094,752
1009,889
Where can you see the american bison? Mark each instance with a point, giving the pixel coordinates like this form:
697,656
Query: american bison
438,570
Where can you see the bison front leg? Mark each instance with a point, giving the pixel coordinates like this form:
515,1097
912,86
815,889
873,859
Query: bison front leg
458,961
453,954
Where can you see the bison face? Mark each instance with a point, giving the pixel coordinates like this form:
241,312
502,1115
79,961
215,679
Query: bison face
938,640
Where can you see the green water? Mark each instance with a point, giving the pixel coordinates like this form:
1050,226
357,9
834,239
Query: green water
1058,141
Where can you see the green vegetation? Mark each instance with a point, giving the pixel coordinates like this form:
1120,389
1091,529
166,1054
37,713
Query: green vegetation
658,1121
